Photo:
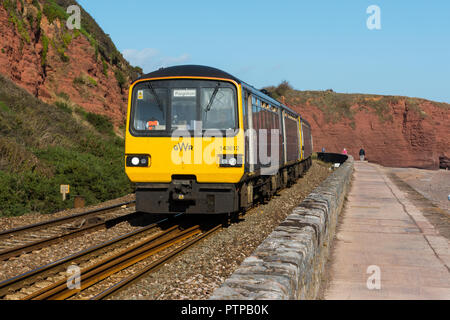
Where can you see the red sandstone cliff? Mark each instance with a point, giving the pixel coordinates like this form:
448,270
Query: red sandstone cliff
54,63
403,136
394,131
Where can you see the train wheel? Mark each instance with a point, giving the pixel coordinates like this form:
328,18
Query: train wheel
226,220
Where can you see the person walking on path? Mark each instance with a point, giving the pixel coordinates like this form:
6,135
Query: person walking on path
345,151
362,154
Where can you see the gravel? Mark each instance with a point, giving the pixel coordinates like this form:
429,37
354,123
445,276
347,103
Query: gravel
7,223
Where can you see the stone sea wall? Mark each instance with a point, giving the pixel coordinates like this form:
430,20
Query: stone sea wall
289,264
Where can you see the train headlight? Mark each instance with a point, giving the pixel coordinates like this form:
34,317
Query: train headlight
138,161
135,161
231,161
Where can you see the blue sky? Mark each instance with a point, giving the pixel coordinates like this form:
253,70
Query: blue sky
315,45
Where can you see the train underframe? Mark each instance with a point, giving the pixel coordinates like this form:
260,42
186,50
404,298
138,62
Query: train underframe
185,195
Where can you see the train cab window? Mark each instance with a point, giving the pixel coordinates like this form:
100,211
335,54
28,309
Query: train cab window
150,109
219,111
162,107
184,108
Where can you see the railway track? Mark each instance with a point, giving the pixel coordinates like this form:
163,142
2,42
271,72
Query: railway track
18,241
103,268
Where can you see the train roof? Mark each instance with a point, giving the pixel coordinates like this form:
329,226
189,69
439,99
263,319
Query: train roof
210,72
190,71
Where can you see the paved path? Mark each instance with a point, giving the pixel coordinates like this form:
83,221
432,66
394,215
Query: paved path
383,236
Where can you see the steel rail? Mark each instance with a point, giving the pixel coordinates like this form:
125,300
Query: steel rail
152,267
109,266
59,221
16,283
36,245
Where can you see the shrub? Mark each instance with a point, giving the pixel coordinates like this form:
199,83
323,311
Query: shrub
62,54
53,11
95,178
100,122
105,67
67,39
63,106
85,80
4,107
79,80
92,82
120,78
20,27
63,95
45,43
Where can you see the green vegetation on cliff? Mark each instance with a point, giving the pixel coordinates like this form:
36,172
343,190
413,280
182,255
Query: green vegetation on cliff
28,22
43,146
101,41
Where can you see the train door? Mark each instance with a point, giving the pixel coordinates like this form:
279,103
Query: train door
299,139
302,139
283,127
250,136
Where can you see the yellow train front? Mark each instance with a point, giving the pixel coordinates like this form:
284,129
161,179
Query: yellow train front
200,141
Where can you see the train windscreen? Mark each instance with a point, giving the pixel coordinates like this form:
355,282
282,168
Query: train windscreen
162,107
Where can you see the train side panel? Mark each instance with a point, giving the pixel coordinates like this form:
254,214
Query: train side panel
292,139
307,140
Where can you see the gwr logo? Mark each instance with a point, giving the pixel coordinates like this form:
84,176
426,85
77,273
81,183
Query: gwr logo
183,147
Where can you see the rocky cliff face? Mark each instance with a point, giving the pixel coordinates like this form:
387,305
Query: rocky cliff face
394,131
400,134
78,67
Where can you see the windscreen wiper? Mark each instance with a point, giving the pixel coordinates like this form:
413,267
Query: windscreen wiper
208,107
156,96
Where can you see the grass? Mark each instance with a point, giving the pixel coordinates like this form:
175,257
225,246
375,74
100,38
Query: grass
85,80
4,107
53,11
101,123
43,146
105,68
45,43
63,106
120,79
18,23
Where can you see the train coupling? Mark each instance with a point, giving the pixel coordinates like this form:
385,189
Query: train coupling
181,190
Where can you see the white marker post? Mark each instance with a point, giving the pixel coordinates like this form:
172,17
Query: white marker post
65,189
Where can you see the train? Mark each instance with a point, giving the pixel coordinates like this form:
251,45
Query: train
200,141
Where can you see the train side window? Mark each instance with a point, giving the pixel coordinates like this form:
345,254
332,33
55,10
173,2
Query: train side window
261,114
255,113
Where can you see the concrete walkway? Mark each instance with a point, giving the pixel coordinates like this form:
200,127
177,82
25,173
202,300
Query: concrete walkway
385,243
